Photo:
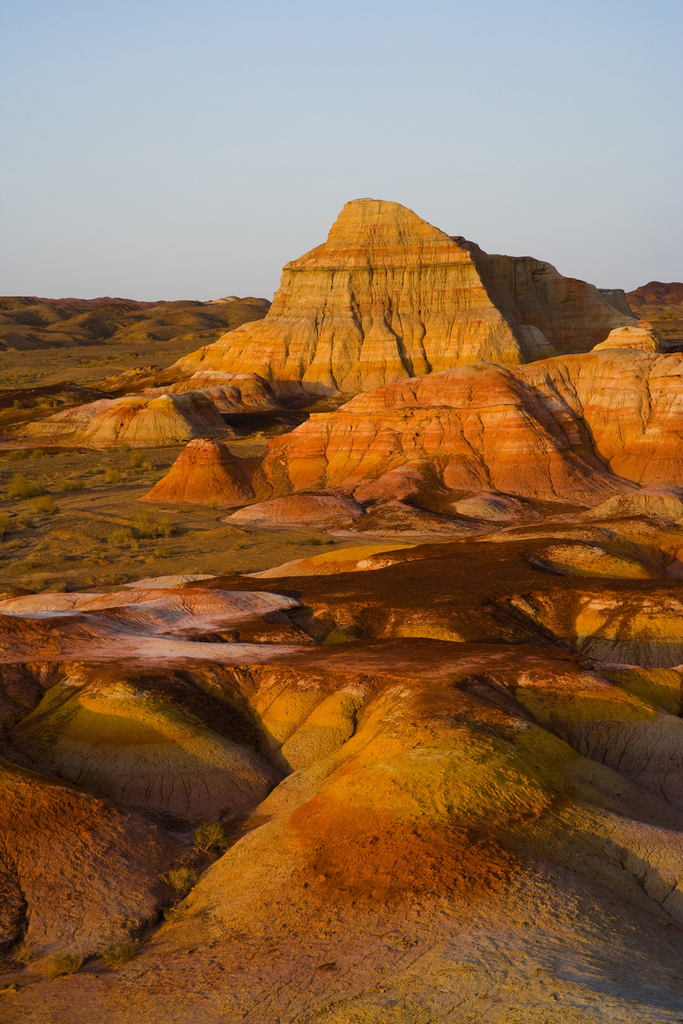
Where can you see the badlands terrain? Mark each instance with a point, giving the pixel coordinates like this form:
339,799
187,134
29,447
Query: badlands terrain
342,646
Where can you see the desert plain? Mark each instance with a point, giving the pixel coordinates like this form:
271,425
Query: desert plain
341,646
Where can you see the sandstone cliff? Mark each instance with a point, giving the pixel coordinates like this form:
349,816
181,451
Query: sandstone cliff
388,296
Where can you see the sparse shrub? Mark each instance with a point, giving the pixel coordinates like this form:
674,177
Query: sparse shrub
211,839
74,484
290,542
45,506
124,446
21,487
37,453
180,879
164,551
7,524
112,476
123,538
213,503
313,541
12,545
20,453
119,953
148,526
176,912
242,546
28,565
61,964
25,522
137,460
56,586
16,404
329,542
24,953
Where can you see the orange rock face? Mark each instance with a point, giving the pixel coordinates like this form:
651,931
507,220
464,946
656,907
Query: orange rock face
204,471
388,296
576,429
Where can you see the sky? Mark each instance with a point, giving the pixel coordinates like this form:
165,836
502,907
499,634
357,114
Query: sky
165,149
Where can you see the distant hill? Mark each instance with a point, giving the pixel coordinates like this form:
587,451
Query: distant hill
29,322
662,304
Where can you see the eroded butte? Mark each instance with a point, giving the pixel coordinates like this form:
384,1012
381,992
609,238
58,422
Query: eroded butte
431,770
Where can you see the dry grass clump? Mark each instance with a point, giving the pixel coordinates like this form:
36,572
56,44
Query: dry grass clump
212,840
175,913
119,953
164,551
60,964
73,484
180,879
21,487
123,538
45,505
112,476
149,527
24,953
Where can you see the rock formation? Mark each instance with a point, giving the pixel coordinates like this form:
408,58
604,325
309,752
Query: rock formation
574,429
300,510
140,421
388,296
230,392
204,472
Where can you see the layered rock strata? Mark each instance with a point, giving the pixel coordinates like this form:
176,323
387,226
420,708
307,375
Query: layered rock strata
140,421
575,429
388,296
204,471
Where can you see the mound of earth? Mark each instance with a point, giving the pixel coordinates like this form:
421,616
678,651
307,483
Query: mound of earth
79,872
662,502
495,507
300,510
388,296
140,421
27,322
330,562
205,471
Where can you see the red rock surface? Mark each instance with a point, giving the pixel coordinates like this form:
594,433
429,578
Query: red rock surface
574,428
388,296
204,471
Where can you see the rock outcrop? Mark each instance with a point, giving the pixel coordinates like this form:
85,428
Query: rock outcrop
388,296
300,510
230,392
140,421
204,472
575,429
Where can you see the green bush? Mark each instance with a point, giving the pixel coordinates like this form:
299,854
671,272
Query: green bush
45,506
61,964
211,839
21,487
313,541
119,953
180,879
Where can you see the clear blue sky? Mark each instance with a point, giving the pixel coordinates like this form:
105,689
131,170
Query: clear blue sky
188,148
